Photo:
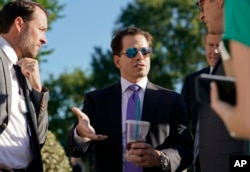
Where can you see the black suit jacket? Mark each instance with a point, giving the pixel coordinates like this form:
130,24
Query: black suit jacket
189,94
215,143
164,109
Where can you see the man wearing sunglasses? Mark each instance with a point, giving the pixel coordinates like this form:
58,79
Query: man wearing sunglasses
101,123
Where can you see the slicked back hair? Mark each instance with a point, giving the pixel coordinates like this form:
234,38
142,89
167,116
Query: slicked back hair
116,43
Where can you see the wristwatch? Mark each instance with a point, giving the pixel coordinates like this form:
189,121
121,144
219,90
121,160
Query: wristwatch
164,161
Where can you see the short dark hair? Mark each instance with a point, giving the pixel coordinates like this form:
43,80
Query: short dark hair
17,8
116,43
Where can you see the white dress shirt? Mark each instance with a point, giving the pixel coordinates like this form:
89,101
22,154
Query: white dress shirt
15,149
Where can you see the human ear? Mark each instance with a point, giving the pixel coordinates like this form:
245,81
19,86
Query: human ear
221,3
116,60
18,22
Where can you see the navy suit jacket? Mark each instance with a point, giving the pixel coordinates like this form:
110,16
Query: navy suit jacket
164,109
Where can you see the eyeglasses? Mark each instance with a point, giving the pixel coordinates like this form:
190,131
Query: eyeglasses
200,7
131,52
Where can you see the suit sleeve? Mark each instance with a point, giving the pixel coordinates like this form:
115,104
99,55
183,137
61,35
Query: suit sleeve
72,148
181,142
171,132
40,101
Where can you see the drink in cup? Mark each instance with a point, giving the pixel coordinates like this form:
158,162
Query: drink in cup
136,131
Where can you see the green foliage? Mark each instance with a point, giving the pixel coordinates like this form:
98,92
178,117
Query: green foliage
53,156
177,42
104,70
65,92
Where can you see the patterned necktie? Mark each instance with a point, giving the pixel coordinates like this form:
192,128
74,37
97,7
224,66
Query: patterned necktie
133,110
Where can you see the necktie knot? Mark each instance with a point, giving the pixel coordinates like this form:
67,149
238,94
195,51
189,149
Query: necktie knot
17,68
19,78
134,87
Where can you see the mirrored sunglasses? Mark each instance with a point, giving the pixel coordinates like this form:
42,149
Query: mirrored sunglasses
131,52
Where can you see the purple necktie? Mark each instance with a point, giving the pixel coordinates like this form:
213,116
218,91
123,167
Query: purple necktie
133,110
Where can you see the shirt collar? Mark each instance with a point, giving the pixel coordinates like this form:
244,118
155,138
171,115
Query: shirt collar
211,69
142,83
8,50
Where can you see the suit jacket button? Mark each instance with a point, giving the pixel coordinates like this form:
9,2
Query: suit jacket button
3,125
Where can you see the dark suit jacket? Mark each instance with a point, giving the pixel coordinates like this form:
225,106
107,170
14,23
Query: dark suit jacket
216,145
37,104
164,109
189,94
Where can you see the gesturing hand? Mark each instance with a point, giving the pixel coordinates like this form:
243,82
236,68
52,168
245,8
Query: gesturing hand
83,128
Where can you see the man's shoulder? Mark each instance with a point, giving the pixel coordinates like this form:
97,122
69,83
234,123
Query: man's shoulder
160,89
106,89
194,74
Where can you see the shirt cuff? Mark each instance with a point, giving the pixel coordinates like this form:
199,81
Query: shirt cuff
80,140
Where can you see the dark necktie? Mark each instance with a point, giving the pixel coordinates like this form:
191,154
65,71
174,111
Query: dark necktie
21,83
133,112
19,79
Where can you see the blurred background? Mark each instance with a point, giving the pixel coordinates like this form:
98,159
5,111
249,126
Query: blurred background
77,57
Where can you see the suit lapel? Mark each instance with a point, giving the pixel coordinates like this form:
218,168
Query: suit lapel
115,109
5,86
113,117
150,102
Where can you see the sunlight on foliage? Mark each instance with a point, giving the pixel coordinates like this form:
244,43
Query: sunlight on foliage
53,155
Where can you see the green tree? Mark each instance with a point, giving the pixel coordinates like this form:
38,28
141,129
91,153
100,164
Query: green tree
177,44
104,71
65,92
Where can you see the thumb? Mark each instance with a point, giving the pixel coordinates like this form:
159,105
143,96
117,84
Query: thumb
78,113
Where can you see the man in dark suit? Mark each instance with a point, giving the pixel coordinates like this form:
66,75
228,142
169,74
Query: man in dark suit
215,144
188,92
23,100
101,123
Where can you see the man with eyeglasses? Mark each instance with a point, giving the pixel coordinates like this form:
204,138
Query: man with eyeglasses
215,145
101,123
237,37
